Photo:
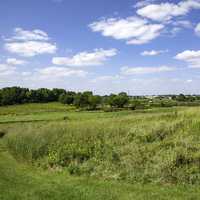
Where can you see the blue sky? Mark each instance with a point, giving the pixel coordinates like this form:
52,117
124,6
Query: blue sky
140,47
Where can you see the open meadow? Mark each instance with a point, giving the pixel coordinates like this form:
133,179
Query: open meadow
100,100
52,151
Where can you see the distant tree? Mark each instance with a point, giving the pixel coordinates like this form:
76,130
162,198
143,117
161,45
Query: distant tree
94,101
13,95
111,100
134,104
57,93
119,100
41,95
67,98
81,100
0,98
32,96
190,98
181,97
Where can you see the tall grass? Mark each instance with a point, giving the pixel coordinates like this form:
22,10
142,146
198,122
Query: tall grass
154,147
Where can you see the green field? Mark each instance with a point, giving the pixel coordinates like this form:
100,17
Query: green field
52,151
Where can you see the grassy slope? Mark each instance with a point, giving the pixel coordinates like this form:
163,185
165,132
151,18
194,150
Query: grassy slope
23,182
20,182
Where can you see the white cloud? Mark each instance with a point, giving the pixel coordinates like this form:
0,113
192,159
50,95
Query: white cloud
142,3
166,11
174,31
106,78
14,61
6,70
133,30
189,81
178,26
59,72
26,35
191,57
26,74
183,23
197,29
29,43
30,48
97,57
153,52
144,70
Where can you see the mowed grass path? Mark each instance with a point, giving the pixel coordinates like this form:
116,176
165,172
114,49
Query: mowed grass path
22,181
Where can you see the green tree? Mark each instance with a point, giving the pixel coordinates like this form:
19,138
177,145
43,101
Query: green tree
94,101
67,98
57,93
181,97
81,100
13,95
119,100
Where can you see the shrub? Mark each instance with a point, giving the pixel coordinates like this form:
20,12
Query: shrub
2,134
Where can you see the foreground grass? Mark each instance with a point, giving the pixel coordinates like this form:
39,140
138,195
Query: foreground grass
22,182
152,147
151,154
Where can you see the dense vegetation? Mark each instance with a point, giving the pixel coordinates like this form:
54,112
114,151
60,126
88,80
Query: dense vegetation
150,146
88,101
51,151
21,182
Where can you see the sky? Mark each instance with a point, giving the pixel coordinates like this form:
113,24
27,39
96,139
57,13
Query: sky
142,47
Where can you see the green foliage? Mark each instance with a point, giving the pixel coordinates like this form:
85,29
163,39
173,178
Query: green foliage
2,134
158,145
22,182
119,100
87,101
94,101
17,95
67,98
82,99
14,95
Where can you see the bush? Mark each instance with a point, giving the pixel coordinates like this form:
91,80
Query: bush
2,134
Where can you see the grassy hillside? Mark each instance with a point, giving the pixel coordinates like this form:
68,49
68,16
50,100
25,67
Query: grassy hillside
97,155
21,182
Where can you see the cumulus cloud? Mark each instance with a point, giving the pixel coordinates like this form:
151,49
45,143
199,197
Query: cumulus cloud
189,81
106,78
24,35
14,61
142,3
133,30
144,70
166,11
183,23
191,57
6,70
29,43
26,74
197,29
97,57
153,52
59,72
30,48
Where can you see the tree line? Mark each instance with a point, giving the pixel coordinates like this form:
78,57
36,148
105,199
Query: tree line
18,95
89,101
